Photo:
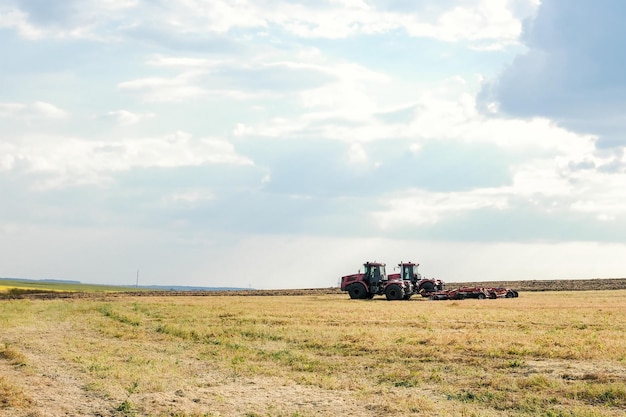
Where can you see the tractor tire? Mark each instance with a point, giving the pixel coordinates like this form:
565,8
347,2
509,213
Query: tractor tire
394,292
509,294
427,287
481,296
357,291
515,294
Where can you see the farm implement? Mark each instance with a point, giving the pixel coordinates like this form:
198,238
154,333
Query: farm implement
407,283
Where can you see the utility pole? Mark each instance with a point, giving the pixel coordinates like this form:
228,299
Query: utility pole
137,282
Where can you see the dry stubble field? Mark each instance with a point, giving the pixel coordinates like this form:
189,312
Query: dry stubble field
542,354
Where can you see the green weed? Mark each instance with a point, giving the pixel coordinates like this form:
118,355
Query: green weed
107,310
125,409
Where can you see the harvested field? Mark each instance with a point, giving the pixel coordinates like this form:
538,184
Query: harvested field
542,354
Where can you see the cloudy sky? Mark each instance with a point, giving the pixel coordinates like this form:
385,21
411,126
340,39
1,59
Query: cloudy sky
280,144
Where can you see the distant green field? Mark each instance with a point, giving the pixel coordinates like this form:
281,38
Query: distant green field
7,284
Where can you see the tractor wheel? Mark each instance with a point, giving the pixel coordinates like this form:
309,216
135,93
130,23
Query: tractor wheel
515,294
394,292
427,287
357,291
481,296
509,294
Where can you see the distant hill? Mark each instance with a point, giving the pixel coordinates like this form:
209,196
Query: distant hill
141,287
51,280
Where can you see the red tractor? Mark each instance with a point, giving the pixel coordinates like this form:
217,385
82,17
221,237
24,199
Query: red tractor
418,285
398,286
374,281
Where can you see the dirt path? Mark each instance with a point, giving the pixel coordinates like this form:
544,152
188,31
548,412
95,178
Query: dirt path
252,397
52,387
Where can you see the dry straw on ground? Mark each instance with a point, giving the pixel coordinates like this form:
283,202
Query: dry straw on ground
542,354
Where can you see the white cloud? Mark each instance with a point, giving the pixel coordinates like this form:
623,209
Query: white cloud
18,20
183,62
84,19
543,180
342,108
478,20
473,21
222,16
420,207
67,161
265,77
357,154
189,198
347,97
157,89
115,5
127,118
36,110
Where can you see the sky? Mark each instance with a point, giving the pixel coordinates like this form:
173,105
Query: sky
281,144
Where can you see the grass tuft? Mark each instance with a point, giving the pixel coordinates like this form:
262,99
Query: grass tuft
609,395
14,356
12,396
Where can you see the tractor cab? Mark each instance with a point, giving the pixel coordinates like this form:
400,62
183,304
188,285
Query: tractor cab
408,272
373,274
